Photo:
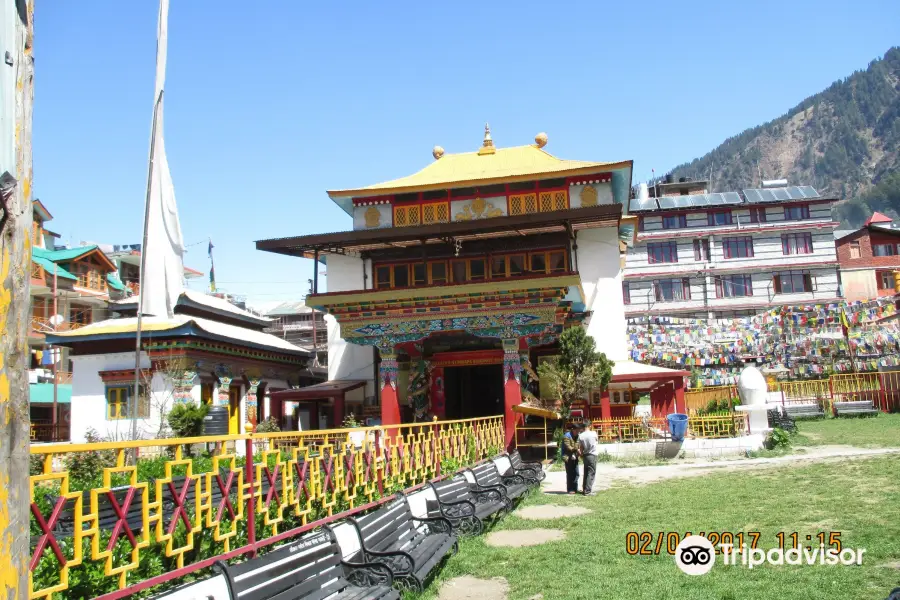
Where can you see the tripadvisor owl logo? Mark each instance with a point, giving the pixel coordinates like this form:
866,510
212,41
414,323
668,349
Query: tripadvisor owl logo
695,555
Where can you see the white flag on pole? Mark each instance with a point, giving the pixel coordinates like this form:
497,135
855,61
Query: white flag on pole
162,279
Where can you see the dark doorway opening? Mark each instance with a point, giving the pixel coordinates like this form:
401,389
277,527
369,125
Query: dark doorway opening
471,392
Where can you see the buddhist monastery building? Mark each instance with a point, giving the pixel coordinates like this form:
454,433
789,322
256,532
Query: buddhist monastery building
457,280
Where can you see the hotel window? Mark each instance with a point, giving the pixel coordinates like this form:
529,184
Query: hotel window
719,217
626,293
796,243
885,280
82,315
757,215
793,282
538,262
662,252
498,267
557,261
884,250
854,249
672,290
701,249
674,222
734,286
796,213
741,247
477,269
437,272
117,402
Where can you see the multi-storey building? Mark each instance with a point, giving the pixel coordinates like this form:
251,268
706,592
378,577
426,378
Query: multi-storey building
127,258
729,254
869,258
302,326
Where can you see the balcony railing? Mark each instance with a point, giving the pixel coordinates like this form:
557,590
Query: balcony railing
43,326
48,432
37,271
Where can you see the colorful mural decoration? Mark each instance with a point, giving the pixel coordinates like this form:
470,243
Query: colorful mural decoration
183,385
512,362
252,387
388,370
225,377
417,391
467,323
478,209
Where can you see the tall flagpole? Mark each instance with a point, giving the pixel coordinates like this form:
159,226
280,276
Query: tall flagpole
141,291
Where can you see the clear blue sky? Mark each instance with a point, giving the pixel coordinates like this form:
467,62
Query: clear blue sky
268,104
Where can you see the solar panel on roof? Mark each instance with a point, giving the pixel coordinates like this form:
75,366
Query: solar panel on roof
702,200
666,202
783,194
731,198
637,204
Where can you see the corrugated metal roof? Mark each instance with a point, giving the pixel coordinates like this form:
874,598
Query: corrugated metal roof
289,308
42,393
48,265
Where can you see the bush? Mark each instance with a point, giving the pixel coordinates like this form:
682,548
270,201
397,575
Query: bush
270,425
777,439
186,419
86,468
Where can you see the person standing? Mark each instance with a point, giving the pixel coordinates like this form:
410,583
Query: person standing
570,458
589,448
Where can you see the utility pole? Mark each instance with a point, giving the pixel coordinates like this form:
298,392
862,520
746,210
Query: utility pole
16,101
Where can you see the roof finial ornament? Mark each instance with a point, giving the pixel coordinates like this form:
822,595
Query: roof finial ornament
540,140
437,152
487,147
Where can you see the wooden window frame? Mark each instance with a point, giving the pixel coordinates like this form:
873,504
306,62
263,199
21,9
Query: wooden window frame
431,263
626,293
855,249
682,221
809,282
787,238
701,250
123,393
436,205
881,280
711,218
804,212
723,279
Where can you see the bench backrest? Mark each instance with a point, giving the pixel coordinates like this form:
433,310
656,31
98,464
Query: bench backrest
455,489
469,476
106,514
516,459
486,474
308,568
854,404
504,465
347,537
389,527
198,481
423,503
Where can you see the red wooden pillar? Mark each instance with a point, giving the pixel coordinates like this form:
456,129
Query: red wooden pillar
438,400
512,387
338,407
387,381
605,410
679,396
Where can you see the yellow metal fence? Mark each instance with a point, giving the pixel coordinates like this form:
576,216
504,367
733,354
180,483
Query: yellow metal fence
109,514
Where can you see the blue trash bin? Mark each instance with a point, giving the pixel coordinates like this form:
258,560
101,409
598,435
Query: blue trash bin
678,426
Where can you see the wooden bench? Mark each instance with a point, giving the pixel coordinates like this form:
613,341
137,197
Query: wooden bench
487,477
855,408
311,568
804,411
467,509
504,466
521,466
410,547
107,517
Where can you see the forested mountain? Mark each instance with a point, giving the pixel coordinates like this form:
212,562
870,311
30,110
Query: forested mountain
844,141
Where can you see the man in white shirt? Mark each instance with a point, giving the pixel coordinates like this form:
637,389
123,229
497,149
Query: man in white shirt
589,448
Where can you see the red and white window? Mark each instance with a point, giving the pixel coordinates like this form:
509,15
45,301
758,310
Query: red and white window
738,247
796,243
662,252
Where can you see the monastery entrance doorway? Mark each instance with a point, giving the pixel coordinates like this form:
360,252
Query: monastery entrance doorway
473,391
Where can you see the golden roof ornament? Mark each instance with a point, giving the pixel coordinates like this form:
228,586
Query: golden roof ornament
437,152
540,140
487,146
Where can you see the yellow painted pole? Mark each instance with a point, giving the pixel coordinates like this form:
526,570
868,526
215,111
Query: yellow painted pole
17,85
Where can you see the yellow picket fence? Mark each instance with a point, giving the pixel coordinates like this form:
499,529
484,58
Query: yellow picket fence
642,429
158,500
699,399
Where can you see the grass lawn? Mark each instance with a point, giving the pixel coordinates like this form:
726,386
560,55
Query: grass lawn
880,431
859,498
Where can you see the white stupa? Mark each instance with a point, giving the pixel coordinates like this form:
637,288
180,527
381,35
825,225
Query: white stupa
754,393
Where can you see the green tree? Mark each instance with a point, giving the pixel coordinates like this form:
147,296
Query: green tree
578,369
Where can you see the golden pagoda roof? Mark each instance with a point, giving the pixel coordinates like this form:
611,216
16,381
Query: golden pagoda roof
500,165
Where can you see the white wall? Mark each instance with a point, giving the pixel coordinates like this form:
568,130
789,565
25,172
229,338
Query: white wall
601,279
346,360
88,409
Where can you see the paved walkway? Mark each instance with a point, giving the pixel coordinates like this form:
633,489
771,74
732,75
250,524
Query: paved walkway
608,474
